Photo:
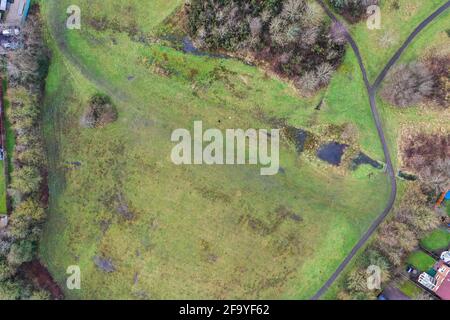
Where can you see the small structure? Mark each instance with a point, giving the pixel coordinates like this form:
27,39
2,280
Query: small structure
445,256
14,12
445,196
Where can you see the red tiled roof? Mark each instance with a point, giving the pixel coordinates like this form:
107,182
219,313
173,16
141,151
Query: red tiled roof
443,277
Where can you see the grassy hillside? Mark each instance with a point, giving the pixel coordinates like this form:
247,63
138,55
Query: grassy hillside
190,231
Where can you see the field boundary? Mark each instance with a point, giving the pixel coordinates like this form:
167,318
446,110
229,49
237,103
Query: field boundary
5,151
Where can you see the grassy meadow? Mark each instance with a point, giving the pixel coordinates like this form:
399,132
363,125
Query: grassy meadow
193,231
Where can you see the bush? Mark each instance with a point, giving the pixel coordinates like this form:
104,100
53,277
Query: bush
20,252
10,290
27,216
408,85
26,180
5,271
100,112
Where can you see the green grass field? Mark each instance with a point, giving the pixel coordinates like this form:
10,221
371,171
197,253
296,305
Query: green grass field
196,232
410,289
439,239
421,261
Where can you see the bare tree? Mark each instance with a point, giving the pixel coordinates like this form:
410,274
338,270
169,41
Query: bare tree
408,85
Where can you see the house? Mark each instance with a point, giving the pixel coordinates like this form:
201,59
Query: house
440,282
14,12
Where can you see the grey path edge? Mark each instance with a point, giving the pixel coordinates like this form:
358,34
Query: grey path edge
372,90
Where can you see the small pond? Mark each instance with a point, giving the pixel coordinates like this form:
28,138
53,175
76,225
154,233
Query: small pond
364,159
332,152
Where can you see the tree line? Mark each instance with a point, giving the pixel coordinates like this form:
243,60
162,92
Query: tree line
26,69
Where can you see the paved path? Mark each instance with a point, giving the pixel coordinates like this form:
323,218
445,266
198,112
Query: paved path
372,90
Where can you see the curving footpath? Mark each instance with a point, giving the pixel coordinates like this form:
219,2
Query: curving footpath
372,90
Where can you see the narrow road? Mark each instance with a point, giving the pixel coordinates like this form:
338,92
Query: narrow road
372,90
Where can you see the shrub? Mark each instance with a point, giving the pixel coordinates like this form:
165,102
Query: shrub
100,112
5,271
26,179
20,252
408,85
10,290
27,215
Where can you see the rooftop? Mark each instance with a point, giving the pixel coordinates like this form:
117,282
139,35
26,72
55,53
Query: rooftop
443,281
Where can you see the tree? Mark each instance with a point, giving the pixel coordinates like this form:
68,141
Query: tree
9,290
5,270
293,9
353,10
26,179
256,26
26,216
20,252
33,156
428,156
408,85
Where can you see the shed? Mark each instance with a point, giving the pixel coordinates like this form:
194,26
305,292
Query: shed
3,4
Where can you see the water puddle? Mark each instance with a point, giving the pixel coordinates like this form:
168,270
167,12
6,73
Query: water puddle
406,176
362,159
189,47
332,153
298,137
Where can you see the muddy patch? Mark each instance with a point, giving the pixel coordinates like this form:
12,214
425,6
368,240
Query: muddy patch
104,264
297,136
190,48
37,274
332,153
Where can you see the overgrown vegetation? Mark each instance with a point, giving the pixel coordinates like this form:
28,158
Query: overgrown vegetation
415,83
353,10
100,112
408,85
439,66
18,242
292,36
428,156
